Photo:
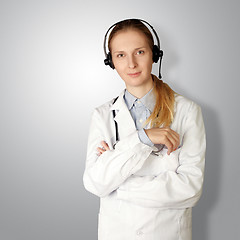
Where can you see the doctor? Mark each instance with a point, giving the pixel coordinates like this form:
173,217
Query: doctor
146,148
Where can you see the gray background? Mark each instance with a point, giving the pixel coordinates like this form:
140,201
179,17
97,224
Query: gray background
52,76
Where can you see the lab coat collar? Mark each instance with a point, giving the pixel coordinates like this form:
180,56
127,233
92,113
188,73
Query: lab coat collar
123,117
119,103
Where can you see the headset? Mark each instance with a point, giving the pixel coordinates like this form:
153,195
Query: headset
157,52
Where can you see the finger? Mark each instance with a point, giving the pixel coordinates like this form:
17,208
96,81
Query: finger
100,150
176,137
173,137
170,141
175,141
169,145
174,134
105,145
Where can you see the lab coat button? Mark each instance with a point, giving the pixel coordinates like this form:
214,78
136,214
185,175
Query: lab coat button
139,232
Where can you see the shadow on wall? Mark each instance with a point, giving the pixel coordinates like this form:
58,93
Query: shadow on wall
211,188
214,153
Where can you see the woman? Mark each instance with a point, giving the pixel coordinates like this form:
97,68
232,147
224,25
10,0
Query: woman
146,148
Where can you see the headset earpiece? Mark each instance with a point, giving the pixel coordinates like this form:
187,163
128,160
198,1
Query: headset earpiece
157,53
108,61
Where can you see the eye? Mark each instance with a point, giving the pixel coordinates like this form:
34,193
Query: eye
140,52
120,55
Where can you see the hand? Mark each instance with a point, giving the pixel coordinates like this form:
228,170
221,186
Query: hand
165,136
103,149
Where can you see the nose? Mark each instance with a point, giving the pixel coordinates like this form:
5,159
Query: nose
132,62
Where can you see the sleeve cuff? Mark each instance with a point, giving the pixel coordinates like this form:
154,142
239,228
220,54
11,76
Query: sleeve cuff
144,138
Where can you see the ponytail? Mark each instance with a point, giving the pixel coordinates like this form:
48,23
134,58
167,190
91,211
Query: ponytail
162,115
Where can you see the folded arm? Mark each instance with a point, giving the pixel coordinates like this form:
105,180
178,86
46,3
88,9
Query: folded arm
105,172
173,189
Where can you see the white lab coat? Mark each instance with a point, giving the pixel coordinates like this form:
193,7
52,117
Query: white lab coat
144,196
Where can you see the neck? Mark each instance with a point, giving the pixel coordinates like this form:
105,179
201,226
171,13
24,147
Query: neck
140,91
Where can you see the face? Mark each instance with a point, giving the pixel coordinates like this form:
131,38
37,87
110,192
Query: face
132,58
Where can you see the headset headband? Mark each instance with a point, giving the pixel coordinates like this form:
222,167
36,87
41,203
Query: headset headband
105,37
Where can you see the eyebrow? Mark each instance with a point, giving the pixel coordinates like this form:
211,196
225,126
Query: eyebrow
121,51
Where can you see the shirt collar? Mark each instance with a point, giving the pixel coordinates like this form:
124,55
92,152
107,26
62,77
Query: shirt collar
148,100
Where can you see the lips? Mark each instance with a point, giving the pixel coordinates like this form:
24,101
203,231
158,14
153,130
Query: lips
136,74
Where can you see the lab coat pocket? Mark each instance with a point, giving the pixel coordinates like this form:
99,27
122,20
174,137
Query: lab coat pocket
113,226
167,225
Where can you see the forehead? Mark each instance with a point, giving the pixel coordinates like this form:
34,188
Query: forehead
127,39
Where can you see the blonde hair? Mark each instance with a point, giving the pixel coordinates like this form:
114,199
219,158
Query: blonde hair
162,115
163,112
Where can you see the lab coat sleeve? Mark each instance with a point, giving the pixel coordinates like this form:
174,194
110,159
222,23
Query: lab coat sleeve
174,189
105,173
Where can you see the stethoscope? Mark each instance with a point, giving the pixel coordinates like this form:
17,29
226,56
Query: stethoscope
115,122
154,152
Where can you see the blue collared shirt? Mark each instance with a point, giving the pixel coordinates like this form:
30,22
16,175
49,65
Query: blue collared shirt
140,110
